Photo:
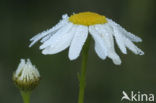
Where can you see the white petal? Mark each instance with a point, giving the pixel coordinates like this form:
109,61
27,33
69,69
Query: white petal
116,59
126,37
57,36
124,32
20,67
47,37
106,34
78,42
118,36
57,26
99,51
133,48
131,36
50,31
99,44
62,43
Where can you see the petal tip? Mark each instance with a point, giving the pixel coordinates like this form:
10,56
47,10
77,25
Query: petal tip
72,57
44,52
31,45
117,62
141,53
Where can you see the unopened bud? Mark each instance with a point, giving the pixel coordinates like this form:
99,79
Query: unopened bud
26,77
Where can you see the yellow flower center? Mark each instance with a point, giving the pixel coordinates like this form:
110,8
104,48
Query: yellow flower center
87,18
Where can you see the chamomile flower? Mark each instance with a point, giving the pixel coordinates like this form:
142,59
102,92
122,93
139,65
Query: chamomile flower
73,31
26,77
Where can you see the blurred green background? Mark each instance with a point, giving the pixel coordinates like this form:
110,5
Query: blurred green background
22,19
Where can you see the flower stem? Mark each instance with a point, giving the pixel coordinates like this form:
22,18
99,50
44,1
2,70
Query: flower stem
26,96
81,78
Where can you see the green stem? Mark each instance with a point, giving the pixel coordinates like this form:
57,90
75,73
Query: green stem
26,96
83,70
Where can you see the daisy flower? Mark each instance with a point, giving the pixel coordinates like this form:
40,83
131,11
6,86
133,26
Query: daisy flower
73,31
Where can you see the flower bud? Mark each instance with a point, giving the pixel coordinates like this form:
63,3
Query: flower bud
26,77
